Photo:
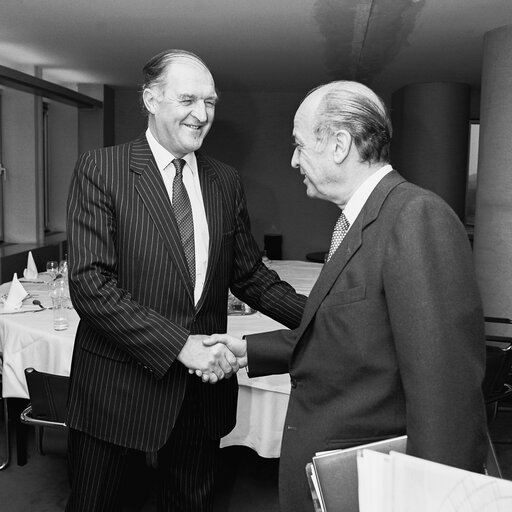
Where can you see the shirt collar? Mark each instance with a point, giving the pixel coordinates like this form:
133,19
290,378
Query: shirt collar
360,196
163,157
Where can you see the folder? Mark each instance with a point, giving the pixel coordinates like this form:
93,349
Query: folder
334,474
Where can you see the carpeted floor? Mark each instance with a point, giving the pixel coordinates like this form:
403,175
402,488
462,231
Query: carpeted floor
247,483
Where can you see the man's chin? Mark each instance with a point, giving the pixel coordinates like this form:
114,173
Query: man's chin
311,193
195,144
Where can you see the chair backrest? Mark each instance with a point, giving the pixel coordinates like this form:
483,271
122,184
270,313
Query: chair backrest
48,395
498,365
499,361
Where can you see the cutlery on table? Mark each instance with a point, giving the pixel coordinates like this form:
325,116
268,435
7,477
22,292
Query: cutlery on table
38,303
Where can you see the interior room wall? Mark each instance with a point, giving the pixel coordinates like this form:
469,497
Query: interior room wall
253,132
20,150
62,155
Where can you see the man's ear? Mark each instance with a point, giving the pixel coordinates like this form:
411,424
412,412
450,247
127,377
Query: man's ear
343,143
150,100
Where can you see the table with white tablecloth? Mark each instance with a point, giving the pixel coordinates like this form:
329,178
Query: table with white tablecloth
29,340
263,401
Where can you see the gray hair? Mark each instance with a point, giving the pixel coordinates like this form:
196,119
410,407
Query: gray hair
154,70
354,107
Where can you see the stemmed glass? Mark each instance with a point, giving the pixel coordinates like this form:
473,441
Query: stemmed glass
63,268
52,269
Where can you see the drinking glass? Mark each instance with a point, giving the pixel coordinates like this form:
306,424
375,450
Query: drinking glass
63,268
60,313
52,268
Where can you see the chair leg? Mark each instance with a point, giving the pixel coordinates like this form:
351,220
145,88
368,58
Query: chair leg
492,468
21,435
39,439
7,460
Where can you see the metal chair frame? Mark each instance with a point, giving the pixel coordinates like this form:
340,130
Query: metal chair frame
7,459
50,408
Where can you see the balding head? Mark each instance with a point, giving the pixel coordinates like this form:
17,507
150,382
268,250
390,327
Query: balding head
351,106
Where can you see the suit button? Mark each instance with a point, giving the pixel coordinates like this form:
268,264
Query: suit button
293,382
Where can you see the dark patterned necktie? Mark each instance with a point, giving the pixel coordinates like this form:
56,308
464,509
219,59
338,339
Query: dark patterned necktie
340,230
183,214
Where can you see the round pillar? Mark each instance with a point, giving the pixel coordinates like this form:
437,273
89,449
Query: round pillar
493,216
430,138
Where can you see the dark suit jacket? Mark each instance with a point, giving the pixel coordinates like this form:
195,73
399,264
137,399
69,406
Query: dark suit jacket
391,341
129,283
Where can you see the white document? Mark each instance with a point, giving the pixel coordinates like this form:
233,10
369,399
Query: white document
374,481
419,485
314,487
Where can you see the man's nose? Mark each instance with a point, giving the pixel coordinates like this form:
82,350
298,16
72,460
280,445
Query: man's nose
199,112
295,159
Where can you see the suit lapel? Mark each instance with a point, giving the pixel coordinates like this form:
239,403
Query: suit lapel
151,189
213,207
350,245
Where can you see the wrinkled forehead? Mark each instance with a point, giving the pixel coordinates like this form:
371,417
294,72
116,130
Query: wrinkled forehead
188,73
305,114
188,60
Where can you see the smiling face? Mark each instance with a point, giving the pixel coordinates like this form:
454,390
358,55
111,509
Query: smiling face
182,106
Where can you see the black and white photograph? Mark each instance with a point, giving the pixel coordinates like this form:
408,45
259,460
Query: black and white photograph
256,256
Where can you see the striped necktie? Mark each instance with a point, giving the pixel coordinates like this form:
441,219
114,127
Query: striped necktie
340,230
183,214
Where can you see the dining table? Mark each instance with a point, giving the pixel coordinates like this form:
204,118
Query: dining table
28,339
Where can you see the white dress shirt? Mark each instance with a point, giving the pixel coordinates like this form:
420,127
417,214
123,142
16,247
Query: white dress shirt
360,196
191,181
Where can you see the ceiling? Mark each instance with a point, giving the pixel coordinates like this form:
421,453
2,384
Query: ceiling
271,45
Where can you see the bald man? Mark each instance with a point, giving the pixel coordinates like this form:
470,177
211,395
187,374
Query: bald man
391,340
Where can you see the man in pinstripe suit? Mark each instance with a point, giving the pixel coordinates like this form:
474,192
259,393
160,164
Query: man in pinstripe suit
142,315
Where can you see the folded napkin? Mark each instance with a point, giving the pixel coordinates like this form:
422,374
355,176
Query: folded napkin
31,271
15,296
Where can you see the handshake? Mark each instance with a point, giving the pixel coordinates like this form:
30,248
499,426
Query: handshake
214,357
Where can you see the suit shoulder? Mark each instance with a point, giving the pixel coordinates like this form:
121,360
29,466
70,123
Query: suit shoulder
411,201
407,192
106,158
107,152
220,168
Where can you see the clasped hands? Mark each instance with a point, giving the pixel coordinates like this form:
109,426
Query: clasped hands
214,357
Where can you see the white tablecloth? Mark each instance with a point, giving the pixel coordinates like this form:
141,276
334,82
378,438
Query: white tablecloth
29,339
263,401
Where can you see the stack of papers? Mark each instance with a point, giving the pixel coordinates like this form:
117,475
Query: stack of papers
396,482
333,479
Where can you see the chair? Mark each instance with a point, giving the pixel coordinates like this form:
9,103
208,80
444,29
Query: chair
48,403
496,387
7,459
497,384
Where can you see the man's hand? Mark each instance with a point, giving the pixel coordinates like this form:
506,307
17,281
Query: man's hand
237,349
237,346
211,362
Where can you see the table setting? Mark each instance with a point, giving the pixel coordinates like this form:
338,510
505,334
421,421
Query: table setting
37,326
32,340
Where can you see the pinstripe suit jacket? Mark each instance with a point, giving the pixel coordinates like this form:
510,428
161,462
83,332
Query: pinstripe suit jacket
130,285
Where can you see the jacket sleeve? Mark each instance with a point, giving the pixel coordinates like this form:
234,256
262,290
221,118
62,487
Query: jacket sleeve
437,324
270,353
